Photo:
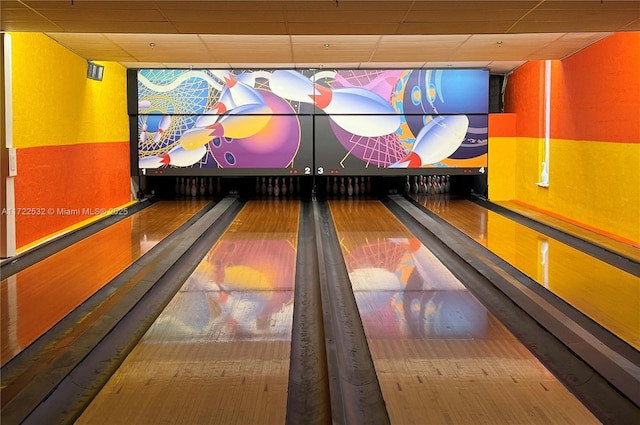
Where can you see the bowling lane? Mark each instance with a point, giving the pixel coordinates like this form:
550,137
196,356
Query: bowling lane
439,355
606,294
36,298
219,352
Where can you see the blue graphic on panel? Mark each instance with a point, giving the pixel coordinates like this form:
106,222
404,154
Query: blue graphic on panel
463,91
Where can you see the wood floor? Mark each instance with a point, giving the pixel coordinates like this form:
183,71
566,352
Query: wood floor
606,294
440,356
36,298
219,353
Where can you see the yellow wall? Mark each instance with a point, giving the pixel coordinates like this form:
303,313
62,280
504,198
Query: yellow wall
592,183
55,104
501,177
71,136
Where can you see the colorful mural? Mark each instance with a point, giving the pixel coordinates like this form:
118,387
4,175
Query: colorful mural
277,119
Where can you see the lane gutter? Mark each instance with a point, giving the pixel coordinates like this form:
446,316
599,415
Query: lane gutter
356,397
308,400
60,393
604,376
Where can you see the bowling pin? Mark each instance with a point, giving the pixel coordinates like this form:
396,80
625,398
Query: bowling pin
263,187
283,188
194,188
270,187
292,85
242,93
151,161
143,105
165,122
178,156
182,187
247,78
241,122
447,185
335,185
356,187
343,189
544,175
369,185
376,116
438,139
203,188
276,189
143,133
407,185
362,188
210,188
210,117
415,188
349,187
195,137
219,186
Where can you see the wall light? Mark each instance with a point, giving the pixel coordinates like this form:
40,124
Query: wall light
94,71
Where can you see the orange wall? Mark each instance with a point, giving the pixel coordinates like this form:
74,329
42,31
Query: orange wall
71,136
525,96
594,155
596,92
61,179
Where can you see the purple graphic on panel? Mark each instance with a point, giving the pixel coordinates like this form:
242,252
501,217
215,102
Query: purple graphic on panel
274,146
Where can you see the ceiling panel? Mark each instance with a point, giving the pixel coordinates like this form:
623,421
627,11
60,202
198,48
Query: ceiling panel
362,34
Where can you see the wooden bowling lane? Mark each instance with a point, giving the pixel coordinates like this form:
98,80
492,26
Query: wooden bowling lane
36,298
440,356
606,294
219,352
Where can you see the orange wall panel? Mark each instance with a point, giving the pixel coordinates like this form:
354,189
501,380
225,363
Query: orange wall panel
54,179
595,92
524,95
502,125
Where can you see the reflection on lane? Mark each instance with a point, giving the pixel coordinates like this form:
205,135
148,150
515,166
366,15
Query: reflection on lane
402,291
219,352
440,356
38,297
605,293
241,291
